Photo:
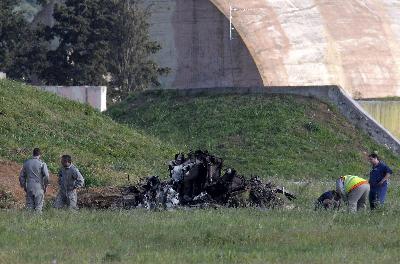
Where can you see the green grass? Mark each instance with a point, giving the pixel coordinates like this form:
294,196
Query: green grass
272,136
282,138
300,235
104,150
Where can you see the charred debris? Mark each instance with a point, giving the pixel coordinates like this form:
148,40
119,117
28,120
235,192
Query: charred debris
195,181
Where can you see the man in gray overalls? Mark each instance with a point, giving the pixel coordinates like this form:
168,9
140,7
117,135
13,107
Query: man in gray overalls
69,179
34,178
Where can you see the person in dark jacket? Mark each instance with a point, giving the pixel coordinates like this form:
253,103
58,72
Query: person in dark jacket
328,200
69,179
378,180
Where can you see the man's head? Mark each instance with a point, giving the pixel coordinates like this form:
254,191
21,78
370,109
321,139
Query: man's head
373,159
37,152
179,158
336,195
66,161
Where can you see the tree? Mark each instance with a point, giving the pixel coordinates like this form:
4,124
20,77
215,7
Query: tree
83,28
10,34
103,42
22,48
130,63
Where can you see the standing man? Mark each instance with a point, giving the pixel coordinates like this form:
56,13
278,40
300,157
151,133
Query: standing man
34,178
354,190
69,179
378,179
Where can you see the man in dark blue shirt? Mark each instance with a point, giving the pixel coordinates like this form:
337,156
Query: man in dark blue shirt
378,180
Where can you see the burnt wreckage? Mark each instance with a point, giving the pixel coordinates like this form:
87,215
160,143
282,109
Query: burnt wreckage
195,181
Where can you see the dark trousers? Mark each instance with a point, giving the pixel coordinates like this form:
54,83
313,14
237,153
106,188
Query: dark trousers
377,195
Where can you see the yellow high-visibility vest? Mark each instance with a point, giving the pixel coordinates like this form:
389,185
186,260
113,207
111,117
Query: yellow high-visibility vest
351,182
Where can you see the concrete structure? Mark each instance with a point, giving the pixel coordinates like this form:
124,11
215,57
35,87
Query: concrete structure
194,36
355,44
331,94
95,96
386,113
2,75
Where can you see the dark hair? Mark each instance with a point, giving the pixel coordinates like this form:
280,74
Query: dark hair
67,158
374,156
180,156
36,152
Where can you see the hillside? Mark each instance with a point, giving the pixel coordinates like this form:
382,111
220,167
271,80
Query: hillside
273,136
104,150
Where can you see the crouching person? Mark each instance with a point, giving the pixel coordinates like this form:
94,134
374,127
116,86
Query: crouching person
328,200
354,190
69,179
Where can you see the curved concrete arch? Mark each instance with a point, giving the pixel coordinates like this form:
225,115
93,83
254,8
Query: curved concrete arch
194,36
354,44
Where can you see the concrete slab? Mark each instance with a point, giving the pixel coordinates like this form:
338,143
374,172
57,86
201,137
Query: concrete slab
95,96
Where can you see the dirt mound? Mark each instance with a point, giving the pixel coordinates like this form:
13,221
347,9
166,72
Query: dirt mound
100,198
11,194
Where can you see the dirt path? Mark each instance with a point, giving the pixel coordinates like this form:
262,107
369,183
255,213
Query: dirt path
9,172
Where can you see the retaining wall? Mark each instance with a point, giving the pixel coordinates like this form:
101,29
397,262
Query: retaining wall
95,96
331,94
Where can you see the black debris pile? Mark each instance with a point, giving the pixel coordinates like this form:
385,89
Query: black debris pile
194,181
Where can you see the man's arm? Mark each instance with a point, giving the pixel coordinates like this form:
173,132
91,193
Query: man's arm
388,171
79,180
340,189
387,175
22,178
59,178
46,176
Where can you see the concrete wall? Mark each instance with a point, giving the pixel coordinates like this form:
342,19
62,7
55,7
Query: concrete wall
2,75
95,96
194,36
331,94
354,44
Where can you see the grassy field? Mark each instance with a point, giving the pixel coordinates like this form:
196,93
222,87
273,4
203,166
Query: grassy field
300,235
272,136
296,142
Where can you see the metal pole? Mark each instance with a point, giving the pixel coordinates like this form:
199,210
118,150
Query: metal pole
230,22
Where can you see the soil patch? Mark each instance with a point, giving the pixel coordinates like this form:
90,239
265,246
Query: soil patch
11,194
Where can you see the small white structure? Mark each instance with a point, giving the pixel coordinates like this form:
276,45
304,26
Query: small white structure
95,96
2,75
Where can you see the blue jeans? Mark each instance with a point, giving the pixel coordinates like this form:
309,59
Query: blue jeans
377,195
